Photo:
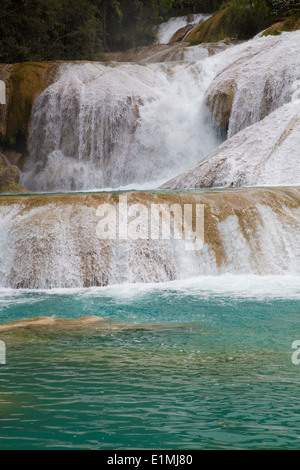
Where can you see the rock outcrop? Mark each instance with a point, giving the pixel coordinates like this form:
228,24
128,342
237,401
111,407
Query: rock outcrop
181,33
246,231
289,22
7,171
228,22
266,153
259,80
10,187
236,22
219,101
24,82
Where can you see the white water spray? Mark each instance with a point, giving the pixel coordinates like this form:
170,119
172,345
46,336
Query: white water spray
102,126
166,30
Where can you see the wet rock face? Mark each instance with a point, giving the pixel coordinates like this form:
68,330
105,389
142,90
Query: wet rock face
220,101
5,75
258,82
266,153
181,33
24,82
8,172
245,231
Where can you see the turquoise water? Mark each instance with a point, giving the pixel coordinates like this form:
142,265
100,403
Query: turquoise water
201,364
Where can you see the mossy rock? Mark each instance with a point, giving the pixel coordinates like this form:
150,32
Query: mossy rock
181,33
229,22
24,82
288,24
10,187
7,171
241,22
207,31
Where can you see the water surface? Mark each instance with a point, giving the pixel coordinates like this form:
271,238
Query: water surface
178,366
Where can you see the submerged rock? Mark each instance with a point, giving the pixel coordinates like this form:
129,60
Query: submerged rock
151,54
169,52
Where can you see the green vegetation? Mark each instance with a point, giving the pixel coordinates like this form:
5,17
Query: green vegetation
39,30
43,30
243,19
287,19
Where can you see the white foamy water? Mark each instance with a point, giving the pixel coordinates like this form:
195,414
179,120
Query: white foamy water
101,126
166,31
130,126
127,125
264,154
226,285
263,77
56,245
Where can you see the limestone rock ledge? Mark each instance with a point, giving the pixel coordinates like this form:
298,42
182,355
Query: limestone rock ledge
266,153
24,82
258,77
7,171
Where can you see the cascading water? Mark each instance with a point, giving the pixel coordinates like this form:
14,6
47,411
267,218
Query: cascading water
128,125
266,153
141,343
43,239
262,78
166,30
107,126
102,126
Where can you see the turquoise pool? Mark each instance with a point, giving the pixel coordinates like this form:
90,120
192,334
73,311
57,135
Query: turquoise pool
203,364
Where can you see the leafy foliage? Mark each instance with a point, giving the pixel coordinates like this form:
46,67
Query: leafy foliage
39,30
36,30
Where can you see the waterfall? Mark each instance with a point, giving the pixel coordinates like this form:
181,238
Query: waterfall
128,125
107,126
257,96
135,126
266,153
166,30
51,241
262,78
